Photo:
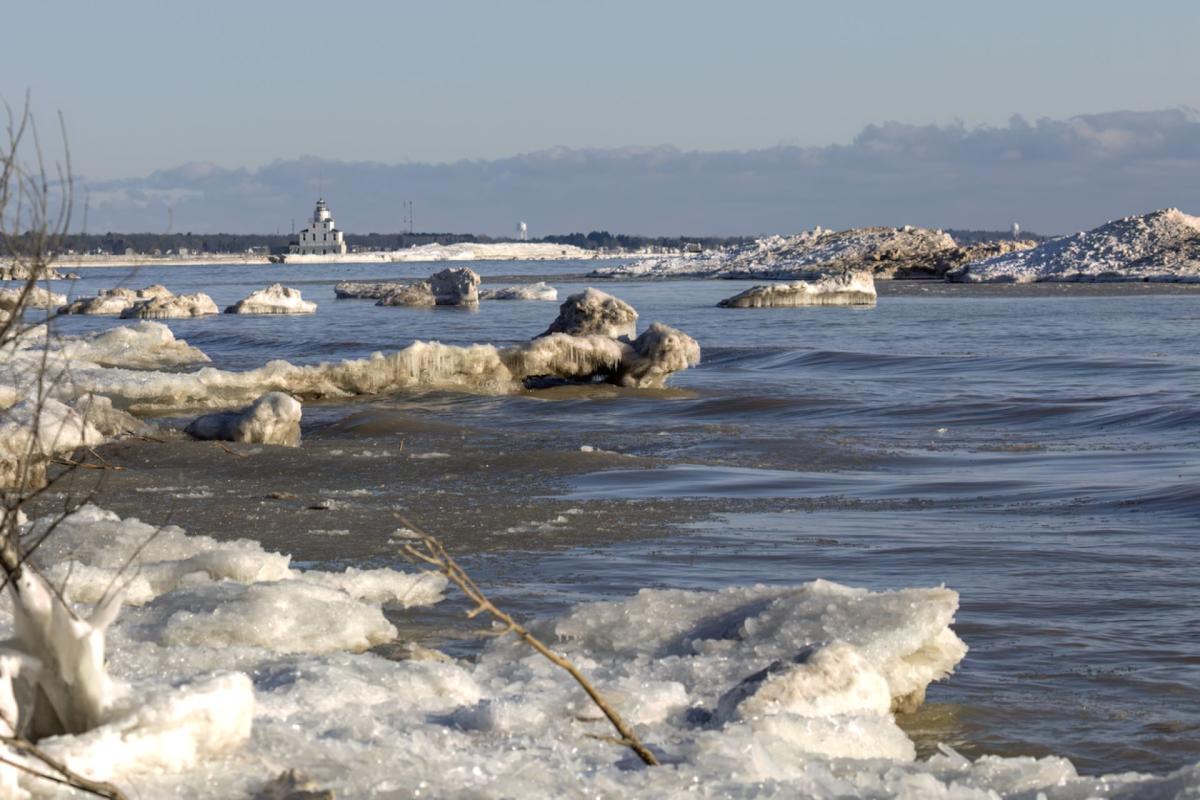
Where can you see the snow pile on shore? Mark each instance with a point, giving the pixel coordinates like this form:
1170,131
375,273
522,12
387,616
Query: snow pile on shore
1159,246
465,251
888,252
846,289
275,299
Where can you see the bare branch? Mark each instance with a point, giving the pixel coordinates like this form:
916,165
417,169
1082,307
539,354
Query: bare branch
429,550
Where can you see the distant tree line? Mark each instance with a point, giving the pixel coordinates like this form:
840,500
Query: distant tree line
149,243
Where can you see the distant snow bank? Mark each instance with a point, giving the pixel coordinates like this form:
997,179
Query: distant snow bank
906,252
1160,246
466,251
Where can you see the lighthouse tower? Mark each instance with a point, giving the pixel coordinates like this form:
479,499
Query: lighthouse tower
321,238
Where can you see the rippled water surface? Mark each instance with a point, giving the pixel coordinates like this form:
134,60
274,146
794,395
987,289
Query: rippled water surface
1034,449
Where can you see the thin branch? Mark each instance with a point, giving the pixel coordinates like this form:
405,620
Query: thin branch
69,776
429,550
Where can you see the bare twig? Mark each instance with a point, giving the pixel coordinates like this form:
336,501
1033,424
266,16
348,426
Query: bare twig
429,550
69,776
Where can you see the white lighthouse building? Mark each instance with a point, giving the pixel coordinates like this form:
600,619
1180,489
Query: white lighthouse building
321,238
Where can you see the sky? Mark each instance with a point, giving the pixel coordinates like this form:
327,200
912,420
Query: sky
151,86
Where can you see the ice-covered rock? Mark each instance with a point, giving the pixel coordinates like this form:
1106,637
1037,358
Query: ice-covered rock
593,312
416,295
273,418
846,289
275,299
524,291
23,272
1159,246
175,306
31,297
455,286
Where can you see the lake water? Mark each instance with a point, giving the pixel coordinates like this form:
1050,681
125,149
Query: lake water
1034,449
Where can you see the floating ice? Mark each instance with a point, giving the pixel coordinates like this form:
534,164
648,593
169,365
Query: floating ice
415,295
183,305
273,418
524,291
275,299
845,289
145,345
114,302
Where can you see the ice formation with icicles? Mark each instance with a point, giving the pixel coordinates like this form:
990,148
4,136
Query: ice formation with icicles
226,665
1159,246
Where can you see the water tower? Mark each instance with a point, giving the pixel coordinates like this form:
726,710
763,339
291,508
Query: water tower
522,232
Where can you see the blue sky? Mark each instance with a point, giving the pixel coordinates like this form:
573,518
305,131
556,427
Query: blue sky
146,85
149,86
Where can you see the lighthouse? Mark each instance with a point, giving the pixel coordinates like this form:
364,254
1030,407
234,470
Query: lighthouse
321,237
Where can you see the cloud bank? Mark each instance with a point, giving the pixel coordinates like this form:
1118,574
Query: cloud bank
1052,176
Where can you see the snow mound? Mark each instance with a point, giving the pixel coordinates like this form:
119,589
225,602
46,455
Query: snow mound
593,312
887,252
273,418
524,291
275,299
846,289
1159,246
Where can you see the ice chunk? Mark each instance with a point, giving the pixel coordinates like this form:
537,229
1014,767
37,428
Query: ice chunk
184,305
167,731
416,295
658,352
273,418
524,291
36,297
362,290
32,432
114,302
593,312
846,289
275,299
145,345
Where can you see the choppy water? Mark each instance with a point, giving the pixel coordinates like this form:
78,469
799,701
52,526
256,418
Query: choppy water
1035,450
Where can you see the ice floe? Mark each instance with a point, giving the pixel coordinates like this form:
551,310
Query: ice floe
846,289
275,299
173,306
524,291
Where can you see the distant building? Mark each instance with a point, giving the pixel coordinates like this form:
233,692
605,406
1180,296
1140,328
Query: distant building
321,238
